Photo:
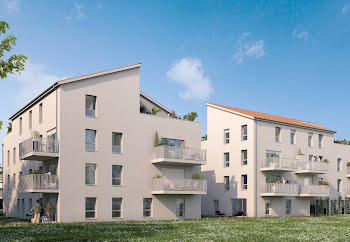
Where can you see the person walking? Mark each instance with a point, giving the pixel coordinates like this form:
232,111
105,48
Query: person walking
37,210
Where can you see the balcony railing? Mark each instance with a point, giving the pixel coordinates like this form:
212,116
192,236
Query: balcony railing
312,167
179,186
314,190
34,182
177,154
280,189
277,163
41,145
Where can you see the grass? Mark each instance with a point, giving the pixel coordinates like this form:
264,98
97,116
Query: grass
331,228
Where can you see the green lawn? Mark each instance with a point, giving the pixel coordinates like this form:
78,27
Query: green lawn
332,228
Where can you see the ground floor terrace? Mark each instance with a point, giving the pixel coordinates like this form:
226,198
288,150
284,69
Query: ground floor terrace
324,228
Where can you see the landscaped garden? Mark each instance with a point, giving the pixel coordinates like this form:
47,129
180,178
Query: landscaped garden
328,228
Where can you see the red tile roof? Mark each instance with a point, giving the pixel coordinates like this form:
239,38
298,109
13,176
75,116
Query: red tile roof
273,117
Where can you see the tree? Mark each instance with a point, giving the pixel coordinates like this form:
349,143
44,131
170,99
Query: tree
156,140
190,116
9,128
0,124
15,63
155,110
173,114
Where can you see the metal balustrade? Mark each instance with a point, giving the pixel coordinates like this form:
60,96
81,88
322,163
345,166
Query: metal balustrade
179,186
178,154
38,181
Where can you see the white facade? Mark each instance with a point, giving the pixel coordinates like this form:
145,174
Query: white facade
77,146
286,183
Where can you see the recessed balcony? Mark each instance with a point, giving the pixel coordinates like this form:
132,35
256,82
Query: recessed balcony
279,190
311,167
314,191
177,155
179,186
279,164
41,149
39,183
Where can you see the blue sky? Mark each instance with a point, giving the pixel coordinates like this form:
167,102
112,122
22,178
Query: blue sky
289,59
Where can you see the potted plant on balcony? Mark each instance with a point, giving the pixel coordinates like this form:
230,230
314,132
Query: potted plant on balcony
348,164
196,176
324,183
325,161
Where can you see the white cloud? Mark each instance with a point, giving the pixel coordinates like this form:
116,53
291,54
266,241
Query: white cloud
79,8
301,35
246,47
189,73
345,9
12,6
32,82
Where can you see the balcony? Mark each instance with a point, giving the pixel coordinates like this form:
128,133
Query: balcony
38,149
179,186
279,190
310,167
348,171
314,191
348,192
39,183
176,155
279,164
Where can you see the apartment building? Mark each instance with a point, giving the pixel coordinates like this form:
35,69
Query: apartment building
87,146
266,165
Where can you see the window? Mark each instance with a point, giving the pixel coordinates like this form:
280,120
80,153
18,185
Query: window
90,140
244,132
90,106
339,164
8,158
30,119
116,142
30,204
40,113
14,155
288,206
244,182
227,183
216,205
90,174
30,171
180,208
320,141
20,126
18,212
227,159
338,185
117,207
116,175
90,207
309,139
14,181
267,207
171,142
277,134
244,157
226,136
147,207
8,182
311,157
292,137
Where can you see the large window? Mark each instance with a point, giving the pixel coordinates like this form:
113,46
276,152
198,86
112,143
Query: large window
40,113
90,106
227,159
180,208
244,131
339,164
227,183
226,136
90,174
288,206
277,134
117,142
320,141
309,139
116,175
244,182
90,140
116,207
30,119
171,142
292,137
147,207
267,207
244,157
90,207
338,185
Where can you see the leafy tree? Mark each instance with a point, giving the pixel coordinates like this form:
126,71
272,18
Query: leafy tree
0,124
156,139
9,128
173,114
15,63
190,116
155,110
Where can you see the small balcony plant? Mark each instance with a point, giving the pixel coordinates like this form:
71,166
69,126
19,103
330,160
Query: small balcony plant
348,164
197,176
325,161
324,183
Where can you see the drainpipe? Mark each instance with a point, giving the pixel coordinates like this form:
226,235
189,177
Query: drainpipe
256,175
